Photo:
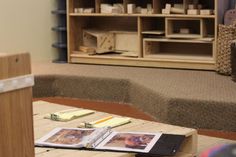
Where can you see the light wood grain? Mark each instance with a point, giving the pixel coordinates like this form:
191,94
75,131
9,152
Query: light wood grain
203,26
16,117
43,126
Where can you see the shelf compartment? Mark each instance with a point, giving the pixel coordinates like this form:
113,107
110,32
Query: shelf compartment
82,4
208,27
194,25
122,27
113,23
178,49
153,26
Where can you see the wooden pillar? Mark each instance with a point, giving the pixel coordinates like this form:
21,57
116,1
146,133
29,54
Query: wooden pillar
16,116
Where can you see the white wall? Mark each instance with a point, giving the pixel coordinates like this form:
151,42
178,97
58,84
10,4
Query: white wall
25,25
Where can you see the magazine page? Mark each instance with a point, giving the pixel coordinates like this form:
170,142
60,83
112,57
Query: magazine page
66,137
129,141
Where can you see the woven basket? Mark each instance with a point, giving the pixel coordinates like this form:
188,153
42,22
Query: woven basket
226,36
233,60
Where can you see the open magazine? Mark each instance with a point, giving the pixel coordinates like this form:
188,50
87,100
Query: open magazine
108,140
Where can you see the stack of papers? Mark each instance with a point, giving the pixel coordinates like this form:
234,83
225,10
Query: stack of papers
68,115
106,122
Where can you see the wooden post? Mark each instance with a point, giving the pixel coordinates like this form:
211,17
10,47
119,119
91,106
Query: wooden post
16,116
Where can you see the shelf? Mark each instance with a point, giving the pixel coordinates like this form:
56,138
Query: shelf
187,36
200,40
59,12
154,32
59,28
145,15
180,56
145,62
178,49
171,56
106,55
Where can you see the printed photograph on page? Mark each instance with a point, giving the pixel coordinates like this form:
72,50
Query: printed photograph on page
65,137
129,141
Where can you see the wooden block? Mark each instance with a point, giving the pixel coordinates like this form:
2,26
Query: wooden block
149,9
168,6
165,11
78,10
87,49
88,10
192,6
138,10
131,8
103,41
116,10
184,31
144,11
206,11
120,7
16,115
180,6
177,10
106,8
193,12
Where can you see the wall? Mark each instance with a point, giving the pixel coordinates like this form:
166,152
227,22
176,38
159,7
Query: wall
25,25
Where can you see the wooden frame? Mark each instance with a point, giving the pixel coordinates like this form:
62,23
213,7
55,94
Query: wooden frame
142,23
193,24
174,49
16,115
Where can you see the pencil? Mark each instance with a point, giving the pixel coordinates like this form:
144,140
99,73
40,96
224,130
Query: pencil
101,120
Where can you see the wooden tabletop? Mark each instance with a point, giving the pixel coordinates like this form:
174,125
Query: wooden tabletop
43,126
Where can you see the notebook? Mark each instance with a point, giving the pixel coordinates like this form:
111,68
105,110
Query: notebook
105,139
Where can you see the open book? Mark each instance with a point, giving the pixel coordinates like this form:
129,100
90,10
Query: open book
104,139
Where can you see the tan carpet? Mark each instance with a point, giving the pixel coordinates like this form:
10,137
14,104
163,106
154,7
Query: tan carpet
199,99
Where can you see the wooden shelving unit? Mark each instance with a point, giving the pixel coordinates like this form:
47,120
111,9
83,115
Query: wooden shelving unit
150,39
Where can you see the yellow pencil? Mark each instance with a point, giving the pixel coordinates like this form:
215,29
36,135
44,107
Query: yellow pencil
101,120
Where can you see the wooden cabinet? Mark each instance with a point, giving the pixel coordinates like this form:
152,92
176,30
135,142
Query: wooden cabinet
143,32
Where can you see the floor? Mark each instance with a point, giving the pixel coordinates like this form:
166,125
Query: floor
190,94
126,110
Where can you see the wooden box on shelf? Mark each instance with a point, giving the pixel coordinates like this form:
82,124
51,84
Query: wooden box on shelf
102,41
174,27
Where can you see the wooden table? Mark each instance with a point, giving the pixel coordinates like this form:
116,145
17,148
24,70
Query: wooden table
43,126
